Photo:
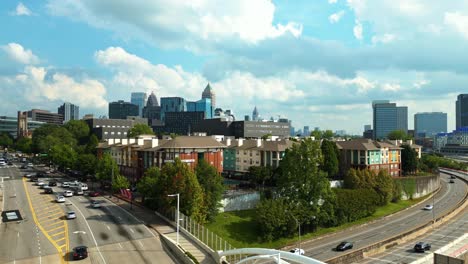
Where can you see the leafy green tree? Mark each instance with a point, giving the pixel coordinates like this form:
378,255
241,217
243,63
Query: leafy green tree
330,158
149,186
92,144
106,167
266,136
384,187
6,140
23,144
262,175
328,134
140,129
86,163
398,134
120,182
317,134
351,179
63,155
46,136
212,185
354,204
273,222
304,185
409,160
79,129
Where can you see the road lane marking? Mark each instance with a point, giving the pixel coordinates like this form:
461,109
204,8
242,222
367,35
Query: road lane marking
91,231
108,227
132,231
141,244
120,245
63,232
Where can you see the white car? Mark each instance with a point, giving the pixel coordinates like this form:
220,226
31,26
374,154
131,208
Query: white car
3,163
84,186
43,186
60,199
297,251
40,183
30,165
68,193
65,184
428,207
95,204
71,215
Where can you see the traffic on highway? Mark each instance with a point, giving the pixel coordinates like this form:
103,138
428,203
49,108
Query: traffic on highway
59,219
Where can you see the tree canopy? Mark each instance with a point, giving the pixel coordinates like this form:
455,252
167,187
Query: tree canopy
212,185
106,167
79,129
330,158
6,140
398,134
140,129
23,144
409,160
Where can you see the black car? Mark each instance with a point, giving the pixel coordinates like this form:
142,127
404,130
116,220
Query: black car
24,166
33,179
48,190
80,252
53,183
344,246
422,246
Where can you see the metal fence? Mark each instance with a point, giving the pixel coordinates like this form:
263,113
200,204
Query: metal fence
203,234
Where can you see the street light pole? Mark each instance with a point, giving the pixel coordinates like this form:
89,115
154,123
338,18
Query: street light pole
299,226
177,219
433,209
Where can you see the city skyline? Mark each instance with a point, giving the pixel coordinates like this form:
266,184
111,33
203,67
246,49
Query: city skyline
341,56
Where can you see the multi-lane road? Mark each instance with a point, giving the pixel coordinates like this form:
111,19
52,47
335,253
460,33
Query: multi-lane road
45,236
445,201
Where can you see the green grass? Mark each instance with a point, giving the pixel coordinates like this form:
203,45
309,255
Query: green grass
241,230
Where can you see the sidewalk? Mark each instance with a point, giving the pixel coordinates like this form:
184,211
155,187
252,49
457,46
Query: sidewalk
162,227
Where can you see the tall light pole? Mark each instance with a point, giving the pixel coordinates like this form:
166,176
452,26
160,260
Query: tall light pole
177,219
433,209
299,226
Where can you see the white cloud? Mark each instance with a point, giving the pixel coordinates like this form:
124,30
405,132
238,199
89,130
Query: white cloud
357,30
458,22
22,10
385,38
332,1
334,18
392,87
17,53
180,23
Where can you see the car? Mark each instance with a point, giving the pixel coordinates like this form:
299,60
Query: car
452,181
84,186
2,163
29,175
48,190
65,184
345,245
452,177
23,167
68,193
33,179
80,252
297,251
95,204
43,186
60,199
71,215
428,207
40,183
30,165
78,191
422,247
94,194
52,183
10,163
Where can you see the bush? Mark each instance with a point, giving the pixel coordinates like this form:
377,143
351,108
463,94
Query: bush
355,204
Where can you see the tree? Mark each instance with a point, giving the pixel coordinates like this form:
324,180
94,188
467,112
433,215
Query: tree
274,223
262,175
6,140
120,182
330,158
409,159
106,167
398,135
149,186
92,144
328,134
140,129
23,144
384,187
63,155
46,136
304,185
212,185
266,136
317,134
79,129
352,180
86,163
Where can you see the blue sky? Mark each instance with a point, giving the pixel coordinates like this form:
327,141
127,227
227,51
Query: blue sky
319,63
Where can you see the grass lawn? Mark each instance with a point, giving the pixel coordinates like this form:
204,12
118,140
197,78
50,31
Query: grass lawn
240,229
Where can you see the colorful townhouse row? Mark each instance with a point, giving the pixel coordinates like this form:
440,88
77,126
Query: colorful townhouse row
236,156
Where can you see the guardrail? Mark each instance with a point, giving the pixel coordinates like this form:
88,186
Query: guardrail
385,244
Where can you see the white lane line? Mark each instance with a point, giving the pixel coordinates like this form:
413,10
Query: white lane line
17,234
132,231
118,206
108,227
141,244
120,245
91,232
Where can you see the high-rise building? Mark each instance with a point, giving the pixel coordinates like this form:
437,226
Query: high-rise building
45,116
203,105
255,114
152,110
367,127
121,109
69,112
462,111
11,125
388,117
429,124
209,93
139,98
306,131
172,104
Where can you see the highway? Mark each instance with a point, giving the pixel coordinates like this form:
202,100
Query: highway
44,235
447,198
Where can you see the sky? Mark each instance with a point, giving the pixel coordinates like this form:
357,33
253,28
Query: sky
319,63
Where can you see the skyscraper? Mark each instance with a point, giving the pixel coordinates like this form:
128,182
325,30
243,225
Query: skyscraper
203,105
139,98
255,114
152,110
69,112
462,111
209,93
306,131
121,109
172,104
388,117
429,124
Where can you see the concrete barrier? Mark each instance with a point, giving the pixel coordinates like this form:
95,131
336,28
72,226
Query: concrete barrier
383,245
178,252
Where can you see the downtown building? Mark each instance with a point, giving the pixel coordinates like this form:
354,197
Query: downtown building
121,109
44,116
69,112
461,111
139,99
10,125
388,117
429,124
112,128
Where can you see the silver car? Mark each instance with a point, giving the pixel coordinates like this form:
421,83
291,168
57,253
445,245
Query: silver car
71,215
